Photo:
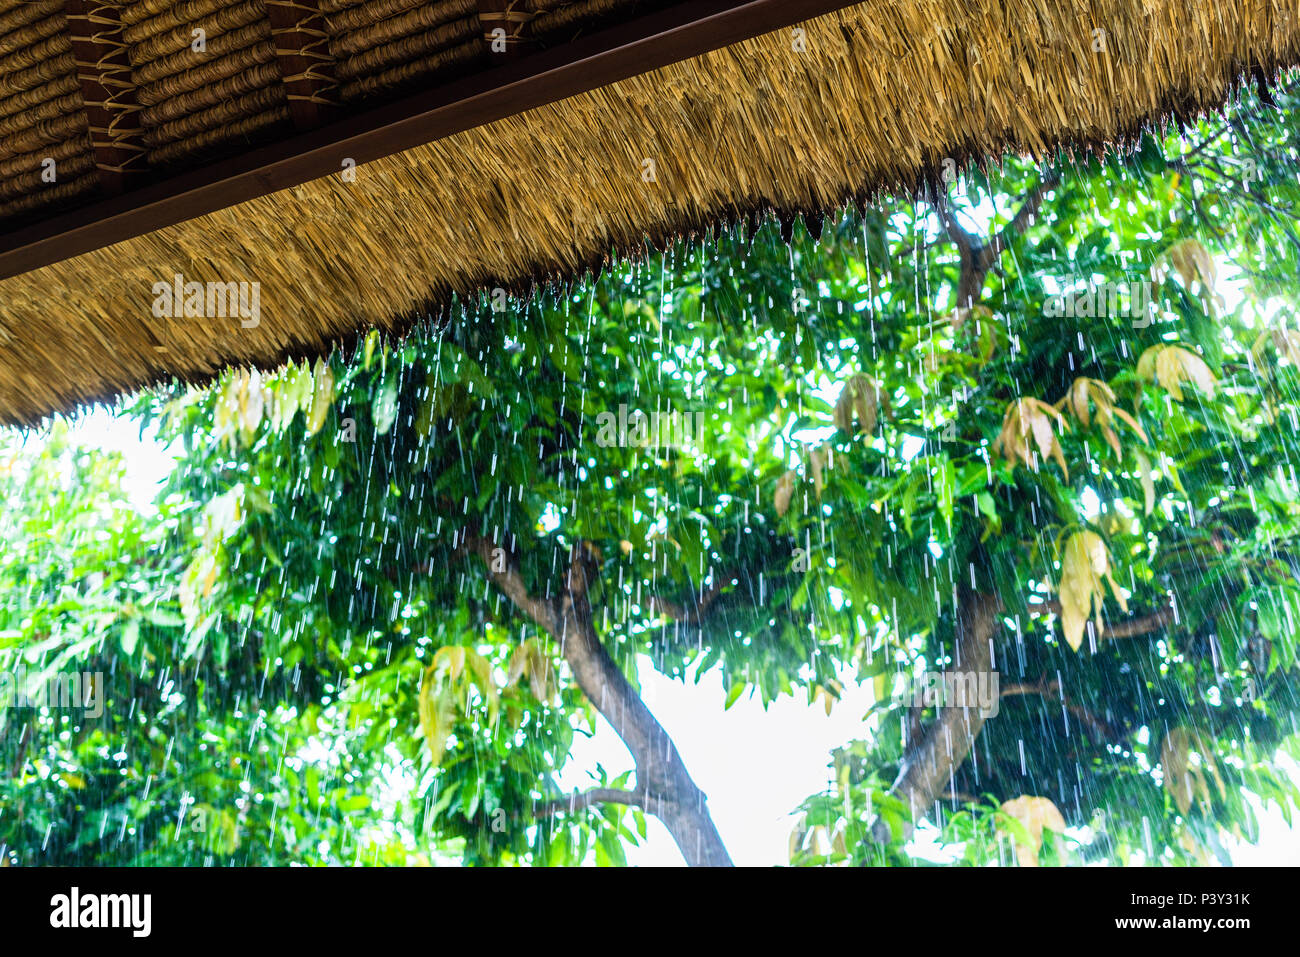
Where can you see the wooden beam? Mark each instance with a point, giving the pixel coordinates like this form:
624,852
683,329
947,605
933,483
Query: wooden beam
104,71
306,64
667,36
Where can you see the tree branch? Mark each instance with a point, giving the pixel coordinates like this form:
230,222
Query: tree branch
1052,692
504,573
1128,628
970,287
581,800
664,788
929,765
703,605
978,257
1029,207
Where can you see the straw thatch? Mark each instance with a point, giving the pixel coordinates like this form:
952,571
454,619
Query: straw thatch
880,94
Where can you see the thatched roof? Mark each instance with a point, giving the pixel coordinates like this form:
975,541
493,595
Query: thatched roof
872,96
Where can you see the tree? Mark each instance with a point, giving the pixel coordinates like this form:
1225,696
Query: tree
1128,461
388,590
170,763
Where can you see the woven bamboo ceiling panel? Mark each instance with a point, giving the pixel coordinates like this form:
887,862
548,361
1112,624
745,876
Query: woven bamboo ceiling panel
110,93
96,95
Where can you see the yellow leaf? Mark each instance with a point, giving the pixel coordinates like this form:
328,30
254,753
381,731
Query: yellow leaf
1171,366
838,844
1131,422
252,402
541,675
537,680
1083,394
817,460
531,662
322,396
797,835
1035,814
819,840
859,401
1187,780
436,712
452,657
1079,393
480,673
1195,850
292,391
447,679
1194,264
1287,342
518,665
1146,367
1031,418
226,415
784,490
1084,564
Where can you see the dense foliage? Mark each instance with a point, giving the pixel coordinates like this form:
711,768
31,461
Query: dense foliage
306,657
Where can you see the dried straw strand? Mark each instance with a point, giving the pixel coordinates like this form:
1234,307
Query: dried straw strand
40,56
32,33
211,93
185,13
147,74
17,165
429,17
367,12
406,50
219,119
32,181
32,97
245,128
884,92
43,133
53,194
48,70
442,63
192,83
225,20
64,105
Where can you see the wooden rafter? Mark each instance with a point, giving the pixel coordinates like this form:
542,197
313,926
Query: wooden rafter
306,65
104,71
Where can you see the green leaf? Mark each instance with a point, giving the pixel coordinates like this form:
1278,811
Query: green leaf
944,489
130,636
734,695
385,407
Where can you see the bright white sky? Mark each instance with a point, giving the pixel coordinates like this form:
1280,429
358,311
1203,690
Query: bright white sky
756,766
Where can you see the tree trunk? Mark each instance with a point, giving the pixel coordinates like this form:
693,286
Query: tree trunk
666,788
929,764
